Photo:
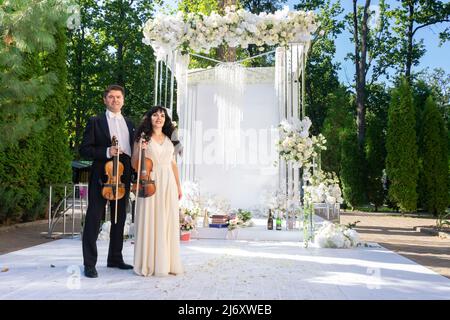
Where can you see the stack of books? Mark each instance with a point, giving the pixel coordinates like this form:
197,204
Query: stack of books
219,221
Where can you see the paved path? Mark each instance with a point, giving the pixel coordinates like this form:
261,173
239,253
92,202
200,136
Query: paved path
397,233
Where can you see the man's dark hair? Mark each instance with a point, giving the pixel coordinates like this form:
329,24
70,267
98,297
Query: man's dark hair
115,87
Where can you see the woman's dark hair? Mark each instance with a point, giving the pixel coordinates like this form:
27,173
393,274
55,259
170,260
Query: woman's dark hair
146,125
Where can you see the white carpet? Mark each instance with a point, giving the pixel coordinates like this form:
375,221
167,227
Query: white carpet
223,269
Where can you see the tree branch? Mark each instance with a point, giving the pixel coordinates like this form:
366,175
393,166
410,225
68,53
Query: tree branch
428,24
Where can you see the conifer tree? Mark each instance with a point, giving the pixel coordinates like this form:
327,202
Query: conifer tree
352,171
435,158
27,32
401,146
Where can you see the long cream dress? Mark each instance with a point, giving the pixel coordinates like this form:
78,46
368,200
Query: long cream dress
157,242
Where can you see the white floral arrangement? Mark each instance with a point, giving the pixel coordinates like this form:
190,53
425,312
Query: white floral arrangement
237,27
217,205
323,188
191,202
275,201
332,235
128,229
187,223
294,206
296,145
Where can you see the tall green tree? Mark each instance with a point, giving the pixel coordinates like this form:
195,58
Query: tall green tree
410,17
439,82
32,61
372,46
85,55
352,171
435,159
56,168
374,146
340,117
401,147
107,48
27,27
321,71
421,91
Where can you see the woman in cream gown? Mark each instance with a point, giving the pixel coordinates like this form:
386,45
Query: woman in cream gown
157,235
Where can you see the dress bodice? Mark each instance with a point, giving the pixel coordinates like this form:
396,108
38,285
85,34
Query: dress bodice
160,154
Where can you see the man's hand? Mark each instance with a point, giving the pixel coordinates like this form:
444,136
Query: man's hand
114,151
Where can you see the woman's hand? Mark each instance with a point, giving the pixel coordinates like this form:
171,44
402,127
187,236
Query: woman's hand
180,193
144,144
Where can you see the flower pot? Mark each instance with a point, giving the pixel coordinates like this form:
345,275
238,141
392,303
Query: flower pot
185,236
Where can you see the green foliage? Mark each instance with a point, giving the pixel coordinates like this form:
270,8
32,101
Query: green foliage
435,159
107,49
443,221
321,71
32,62
244,215
421,91
352,225
439,83
375,157
401,147
57,167
27,27
339,117
410,17
199,6
379,43
375,151
352,169
21,196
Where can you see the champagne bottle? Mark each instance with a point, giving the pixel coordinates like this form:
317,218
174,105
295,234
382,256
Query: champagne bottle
270,221
278,222
206,220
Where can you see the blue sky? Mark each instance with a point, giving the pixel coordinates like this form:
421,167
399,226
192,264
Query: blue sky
434,57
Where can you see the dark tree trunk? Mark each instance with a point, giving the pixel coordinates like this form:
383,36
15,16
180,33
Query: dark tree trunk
361,65
409,52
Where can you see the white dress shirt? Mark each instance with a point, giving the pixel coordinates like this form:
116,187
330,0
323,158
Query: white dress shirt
118,127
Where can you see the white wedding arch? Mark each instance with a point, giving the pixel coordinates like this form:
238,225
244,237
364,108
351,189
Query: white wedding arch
229,100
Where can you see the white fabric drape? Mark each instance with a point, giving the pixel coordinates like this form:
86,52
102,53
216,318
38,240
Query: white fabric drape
289,70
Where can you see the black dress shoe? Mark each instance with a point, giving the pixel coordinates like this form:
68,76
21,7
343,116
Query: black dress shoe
120,265
90,272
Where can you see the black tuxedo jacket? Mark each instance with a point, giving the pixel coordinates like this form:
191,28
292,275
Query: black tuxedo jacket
96,140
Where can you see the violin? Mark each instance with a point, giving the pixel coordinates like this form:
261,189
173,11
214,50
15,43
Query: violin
145,185
114,189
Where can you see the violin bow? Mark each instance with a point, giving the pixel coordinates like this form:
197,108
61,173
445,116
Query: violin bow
117,181
138,175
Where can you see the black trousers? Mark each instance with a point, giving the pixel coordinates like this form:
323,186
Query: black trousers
95,212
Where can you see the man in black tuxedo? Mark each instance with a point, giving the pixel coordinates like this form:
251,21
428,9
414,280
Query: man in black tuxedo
96,145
